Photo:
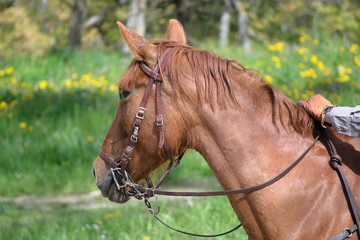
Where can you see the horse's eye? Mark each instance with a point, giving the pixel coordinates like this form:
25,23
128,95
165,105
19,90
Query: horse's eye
124,94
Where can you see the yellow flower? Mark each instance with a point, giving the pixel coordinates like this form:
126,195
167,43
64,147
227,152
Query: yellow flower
278,65
316,42
113,88
2,73
108,216
146,238
13,81
320,65
301,65
26,145
74,75
43,84
314,59
349,70
9,70
357,60
268,78
22,124
302,50
342,49
10,115
272,48
275,59
3,105
280,46
89,138
353,48
302,39
68,83
13,102
30,128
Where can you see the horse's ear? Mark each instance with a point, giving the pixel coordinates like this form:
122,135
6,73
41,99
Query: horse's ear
175,32
141,48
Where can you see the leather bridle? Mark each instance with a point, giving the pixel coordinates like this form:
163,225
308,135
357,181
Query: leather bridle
124,181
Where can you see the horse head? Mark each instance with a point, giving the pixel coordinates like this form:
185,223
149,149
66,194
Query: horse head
125,133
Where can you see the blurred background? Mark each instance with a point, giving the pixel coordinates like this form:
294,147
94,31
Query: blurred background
60,61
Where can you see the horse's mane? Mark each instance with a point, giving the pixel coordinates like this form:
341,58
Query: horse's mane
212,76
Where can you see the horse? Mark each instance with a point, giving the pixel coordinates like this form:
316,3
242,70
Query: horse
246,130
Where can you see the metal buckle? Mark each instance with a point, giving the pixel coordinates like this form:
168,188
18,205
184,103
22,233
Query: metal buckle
159,120
141,111
348,232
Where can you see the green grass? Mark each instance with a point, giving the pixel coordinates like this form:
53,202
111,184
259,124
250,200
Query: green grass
120,222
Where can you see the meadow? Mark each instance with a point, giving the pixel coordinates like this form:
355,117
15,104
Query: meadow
55,111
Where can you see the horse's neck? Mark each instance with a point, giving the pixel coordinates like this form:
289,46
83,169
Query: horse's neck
241,146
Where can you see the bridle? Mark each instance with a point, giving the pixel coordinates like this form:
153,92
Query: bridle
123,180
119,164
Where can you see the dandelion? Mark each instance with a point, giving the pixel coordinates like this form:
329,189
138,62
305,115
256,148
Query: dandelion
357,60
342,49
9,70
68,83
302,50
314,59
349,70
13,81
30,128
2,73
301,65
278,65
43,84
3,105
272,48
302,39
89,138
113,88
280,46
353,48
10,115
108,216
75,75
146,238
275,59
26,145
22,125
316,42
268,78
320,65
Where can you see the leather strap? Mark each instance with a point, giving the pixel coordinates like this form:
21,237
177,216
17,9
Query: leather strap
335,163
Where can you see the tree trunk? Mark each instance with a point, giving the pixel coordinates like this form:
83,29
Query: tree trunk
242,20
136,20
78,15
225,21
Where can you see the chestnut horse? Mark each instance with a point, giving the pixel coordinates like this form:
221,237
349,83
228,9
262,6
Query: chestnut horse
246,130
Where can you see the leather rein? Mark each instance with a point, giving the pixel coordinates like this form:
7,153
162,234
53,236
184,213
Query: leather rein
124,181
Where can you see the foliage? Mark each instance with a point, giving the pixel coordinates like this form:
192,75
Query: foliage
20,35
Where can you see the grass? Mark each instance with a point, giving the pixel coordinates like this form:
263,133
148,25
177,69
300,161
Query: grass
55,111
124,222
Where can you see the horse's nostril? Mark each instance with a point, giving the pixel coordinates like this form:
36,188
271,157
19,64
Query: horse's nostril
94,173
